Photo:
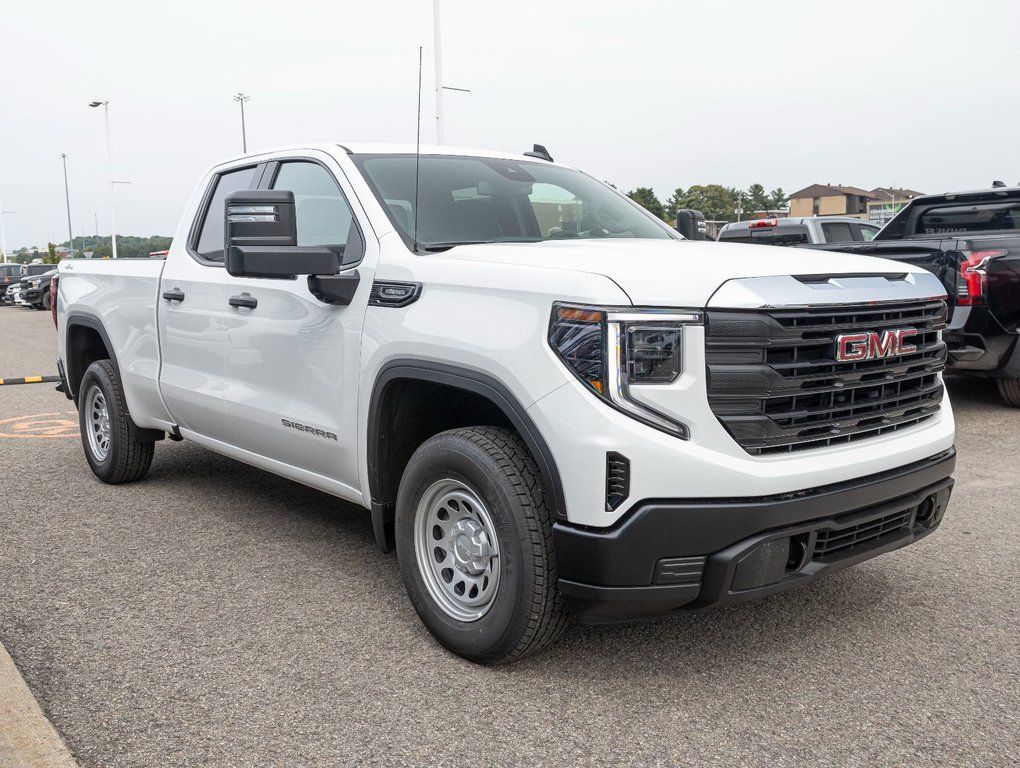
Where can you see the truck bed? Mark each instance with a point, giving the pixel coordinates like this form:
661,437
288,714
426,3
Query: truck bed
121,297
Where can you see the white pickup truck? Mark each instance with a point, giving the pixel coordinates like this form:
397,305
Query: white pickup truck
551,403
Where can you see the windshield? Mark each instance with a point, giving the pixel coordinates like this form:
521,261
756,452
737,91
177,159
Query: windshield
464,200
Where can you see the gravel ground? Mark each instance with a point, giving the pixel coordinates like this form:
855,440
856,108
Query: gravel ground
214,615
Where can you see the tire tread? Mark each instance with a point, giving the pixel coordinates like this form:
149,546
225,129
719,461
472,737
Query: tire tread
1009,391
547,618
131,459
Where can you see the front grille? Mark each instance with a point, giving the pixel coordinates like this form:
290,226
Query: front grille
840,542
775,385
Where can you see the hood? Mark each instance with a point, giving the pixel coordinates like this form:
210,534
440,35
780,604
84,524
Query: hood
674,273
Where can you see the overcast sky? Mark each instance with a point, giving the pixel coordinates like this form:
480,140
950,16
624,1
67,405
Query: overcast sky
923,93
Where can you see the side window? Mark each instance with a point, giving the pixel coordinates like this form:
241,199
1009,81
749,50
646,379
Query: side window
868,233
323,214
210,239
837,232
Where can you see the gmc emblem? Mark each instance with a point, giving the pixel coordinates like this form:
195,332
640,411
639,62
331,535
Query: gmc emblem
854,347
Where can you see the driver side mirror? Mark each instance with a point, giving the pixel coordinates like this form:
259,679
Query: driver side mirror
261,238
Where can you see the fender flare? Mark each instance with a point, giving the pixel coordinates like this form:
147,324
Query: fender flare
469,380
77,318
81,319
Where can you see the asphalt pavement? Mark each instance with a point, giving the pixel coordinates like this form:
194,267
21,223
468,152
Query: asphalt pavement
216,615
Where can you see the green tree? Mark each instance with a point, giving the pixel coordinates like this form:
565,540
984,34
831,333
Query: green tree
645,197
757,199
51,254
778,199
673,204
717,202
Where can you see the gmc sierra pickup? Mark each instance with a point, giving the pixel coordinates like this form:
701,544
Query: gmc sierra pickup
971,242
551,403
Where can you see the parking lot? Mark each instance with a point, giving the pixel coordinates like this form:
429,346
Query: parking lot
216,615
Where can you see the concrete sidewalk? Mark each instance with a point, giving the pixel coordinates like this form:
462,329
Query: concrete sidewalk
27,739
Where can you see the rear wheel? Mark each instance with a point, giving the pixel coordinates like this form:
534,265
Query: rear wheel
474,540
107,433
1009,390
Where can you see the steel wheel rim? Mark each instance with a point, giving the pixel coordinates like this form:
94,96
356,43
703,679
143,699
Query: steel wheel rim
457,550
97,423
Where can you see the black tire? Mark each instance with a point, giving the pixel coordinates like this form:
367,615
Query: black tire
125,458
526,612
1009,390
45,304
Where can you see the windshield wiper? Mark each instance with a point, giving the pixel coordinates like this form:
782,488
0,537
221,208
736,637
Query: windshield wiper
435,247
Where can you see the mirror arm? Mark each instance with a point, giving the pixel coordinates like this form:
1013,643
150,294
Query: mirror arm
335,289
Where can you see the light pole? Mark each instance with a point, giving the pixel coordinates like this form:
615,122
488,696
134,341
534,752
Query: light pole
109,169
240,98
439,72
3,236
67,199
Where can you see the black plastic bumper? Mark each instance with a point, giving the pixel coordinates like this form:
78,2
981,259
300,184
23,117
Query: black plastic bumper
671,555
984,347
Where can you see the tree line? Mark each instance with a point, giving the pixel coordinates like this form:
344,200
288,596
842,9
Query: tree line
128,246
717,202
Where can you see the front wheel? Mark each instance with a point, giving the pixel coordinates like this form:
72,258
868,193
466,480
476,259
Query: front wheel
474,540
1009,391
107,432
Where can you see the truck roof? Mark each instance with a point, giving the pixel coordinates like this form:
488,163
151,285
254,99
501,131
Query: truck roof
976,195
392,149
789,221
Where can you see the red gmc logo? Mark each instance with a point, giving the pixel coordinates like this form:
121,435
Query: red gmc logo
854,347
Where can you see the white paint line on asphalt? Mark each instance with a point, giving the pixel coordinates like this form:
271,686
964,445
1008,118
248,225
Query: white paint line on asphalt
27,738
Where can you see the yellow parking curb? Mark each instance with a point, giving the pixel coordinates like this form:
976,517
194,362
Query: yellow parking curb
30,380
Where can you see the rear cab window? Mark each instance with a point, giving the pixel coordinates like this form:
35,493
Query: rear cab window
209,241
789,235
981,217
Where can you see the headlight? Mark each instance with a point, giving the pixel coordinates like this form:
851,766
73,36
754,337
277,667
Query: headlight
611,350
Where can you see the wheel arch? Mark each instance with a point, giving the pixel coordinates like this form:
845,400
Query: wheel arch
88,327
382,478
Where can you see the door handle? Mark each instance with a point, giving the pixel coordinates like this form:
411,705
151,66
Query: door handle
174,294
244,300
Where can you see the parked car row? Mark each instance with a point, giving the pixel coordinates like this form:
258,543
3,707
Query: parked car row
26,285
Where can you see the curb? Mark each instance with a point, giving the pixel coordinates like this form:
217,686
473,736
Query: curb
27,738
30,380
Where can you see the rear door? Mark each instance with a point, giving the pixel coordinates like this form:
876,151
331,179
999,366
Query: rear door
195,319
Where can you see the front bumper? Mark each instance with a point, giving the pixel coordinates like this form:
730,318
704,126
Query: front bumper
665,556
32,296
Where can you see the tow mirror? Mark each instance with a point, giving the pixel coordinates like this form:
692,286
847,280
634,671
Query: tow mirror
691,224
261,238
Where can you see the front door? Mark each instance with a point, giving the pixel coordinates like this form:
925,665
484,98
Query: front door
292,364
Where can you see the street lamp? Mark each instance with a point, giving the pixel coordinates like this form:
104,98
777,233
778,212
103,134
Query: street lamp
109,169
240,98
3,237
67,199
